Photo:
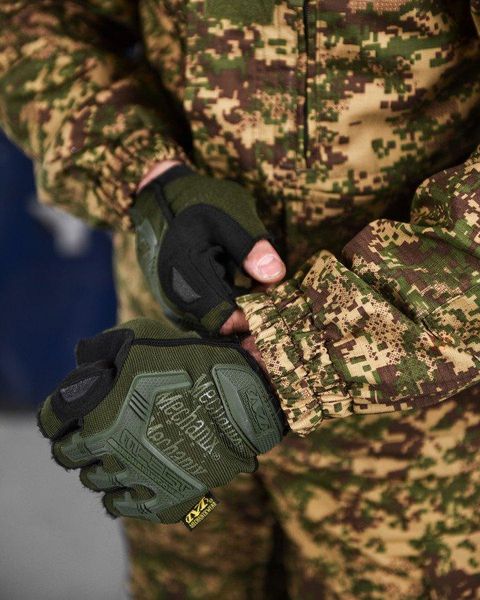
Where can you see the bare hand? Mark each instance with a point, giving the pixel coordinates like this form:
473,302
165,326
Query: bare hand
266,267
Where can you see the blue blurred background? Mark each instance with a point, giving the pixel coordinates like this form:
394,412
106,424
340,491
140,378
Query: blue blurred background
55,286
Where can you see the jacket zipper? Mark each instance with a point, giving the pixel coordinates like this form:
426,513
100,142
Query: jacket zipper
306,106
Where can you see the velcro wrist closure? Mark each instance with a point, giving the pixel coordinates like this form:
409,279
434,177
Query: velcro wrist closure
173,174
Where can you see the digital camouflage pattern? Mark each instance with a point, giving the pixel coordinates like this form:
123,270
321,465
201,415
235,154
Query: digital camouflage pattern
367,508
78,106
332,112
398,329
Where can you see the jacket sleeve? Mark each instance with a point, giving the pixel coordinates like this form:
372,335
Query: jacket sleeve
394,325
89,117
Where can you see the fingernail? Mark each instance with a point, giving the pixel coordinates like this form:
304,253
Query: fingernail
269,266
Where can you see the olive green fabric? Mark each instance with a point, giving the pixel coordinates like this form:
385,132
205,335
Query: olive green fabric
198,229
239,11
182,416
331,116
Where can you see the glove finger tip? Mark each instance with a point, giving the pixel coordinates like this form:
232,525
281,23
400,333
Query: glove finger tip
108,502
59,459
47,421
218,316
86,481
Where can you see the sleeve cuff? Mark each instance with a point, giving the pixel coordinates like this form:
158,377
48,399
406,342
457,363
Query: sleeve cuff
127,166
98,181
296,357
333,346
99,156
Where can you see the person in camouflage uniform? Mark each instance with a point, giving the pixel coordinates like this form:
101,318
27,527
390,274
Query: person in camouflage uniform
335,114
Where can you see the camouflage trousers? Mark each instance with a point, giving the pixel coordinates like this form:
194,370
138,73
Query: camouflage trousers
368,507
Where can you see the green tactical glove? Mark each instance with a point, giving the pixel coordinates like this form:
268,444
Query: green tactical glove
156,418
193,233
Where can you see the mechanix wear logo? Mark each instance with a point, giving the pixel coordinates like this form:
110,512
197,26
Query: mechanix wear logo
174,408
200,511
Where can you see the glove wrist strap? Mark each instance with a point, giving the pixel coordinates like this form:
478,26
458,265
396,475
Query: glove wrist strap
173,174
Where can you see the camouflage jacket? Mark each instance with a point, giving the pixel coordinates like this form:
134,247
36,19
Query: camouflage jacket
333,112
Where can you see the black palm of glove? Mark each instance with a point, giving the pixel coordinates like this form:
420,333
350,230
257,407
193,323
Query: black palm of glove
193,233
156,417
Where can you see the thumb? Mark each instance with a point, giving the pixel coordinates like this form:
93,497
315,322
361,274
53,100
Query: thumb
264,264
